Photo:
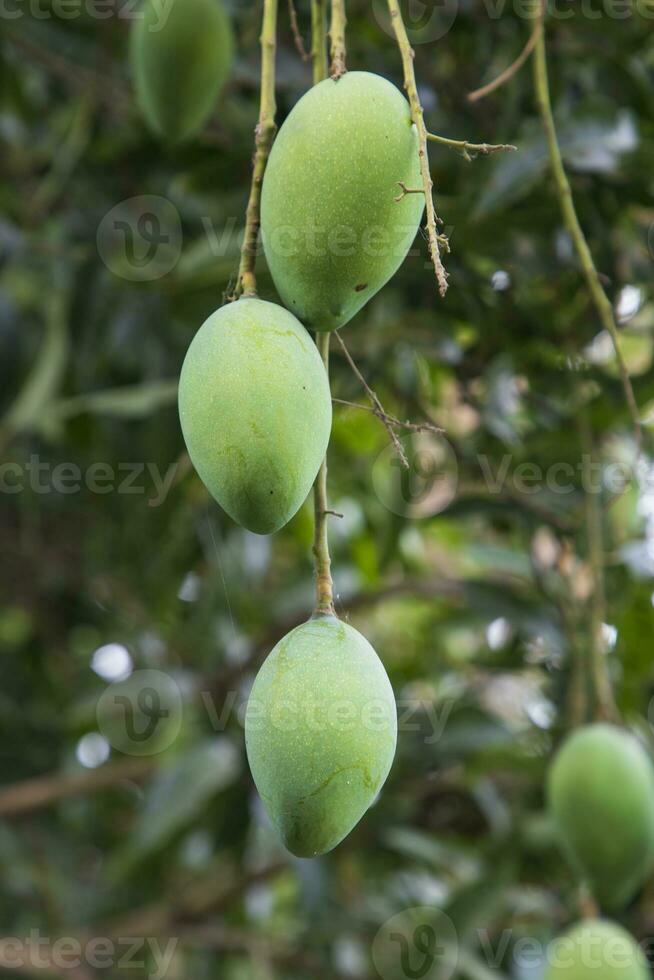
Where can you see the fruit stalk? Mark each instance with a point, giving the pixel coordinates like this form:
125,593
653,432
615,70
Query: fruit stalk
324,584
264,136
604,704
571,221
436,241
337,38
319,40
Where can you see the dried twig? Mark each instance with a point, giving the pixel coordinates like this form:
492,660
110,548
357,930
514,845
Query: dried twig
436,241
470,150
297,36
390,422
566,201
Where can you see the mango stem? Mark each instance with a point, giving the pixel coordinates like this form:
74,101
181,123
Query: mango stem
324,584
246,284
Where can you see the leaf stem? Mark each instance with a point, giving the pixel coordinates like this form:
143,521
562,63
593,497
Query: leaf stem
337,37
264,135
571,221
436,241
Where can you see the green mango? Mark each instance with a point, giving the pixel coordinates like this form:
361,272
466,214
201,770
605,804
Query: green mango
596,950
320,731
332,230
601,795
181,54
256,411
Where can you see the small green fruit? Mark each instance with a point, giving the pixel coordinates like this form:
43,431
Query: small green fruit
256,411
333,232
320,731
181,54
596,950
601,795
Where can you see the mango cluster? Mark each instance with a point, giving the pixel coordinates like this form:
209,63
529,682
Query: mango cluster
601,797
255,410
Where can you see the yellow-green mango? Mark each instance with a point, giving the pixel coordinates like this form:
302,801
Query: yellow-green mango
333,232
320,731
256,412
181,55
601,795
596,950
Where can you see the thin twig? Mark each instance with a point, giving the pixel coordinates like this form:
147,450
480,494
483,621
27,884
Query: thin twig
564,193
337,37
295,28
515,67
246,284
389,422
436,241
32,794
470,150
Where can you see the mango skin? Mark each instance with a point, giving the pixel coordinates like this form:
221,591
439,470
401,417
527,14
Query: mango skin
333,233
596,950
180,55
320,732
256,411
601,795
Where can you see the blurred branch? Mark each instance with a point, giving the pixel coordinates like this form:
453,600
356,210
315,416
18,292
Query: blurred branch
46,375
295,28
515,67
337,36
604,702
32,794
436,241
264,135
564,192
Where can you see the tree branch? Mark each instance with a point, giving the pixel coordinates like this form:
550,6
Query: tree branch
571,221
295,28
436,241
246,284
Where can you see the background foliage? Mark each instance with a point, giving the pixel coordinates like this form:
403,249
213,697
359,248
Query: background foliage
476,611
